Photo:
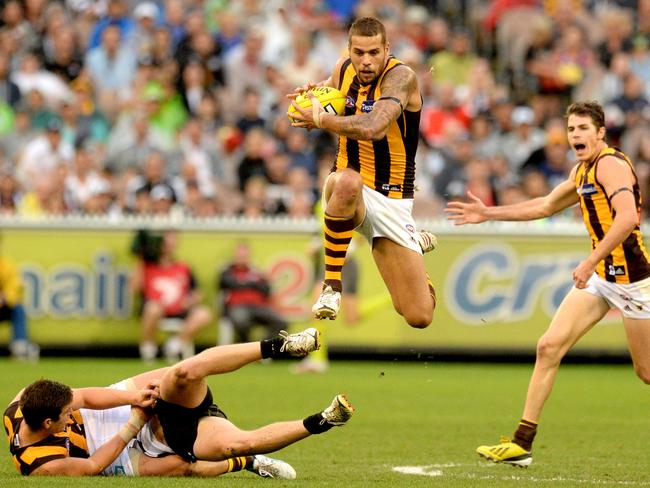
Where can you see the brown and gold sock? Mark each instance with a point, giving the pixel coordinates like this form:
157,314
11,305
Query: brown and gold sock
337,236
239,463
525,434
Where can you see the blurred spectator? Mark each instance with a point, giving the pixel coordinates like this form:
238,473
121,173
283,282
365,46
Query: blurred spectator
256,203
13,143
245,297
12,310
9,91
9,192
551,160
640,60
443,116
31,76
301,66
154,174
250,112
455,63
169,291
64,59
130,78
83,182
116,15
42,155
132,140
252,162
526,137
627,110
298,148
244,67
145,15
112,64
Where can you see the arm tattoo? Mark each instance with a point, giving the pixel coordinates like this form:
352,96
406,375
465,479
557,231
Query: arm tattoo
397,84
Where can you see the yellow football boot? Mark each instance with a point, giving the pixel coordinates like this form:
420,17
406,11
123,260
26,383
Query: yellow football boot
506,452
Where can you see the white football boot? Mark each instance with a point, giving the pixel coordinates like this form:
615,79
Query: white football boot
328,304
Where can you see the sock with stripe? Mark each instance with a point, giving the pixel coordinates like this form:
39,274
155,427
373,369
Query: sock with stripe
239,463
525,434
338,234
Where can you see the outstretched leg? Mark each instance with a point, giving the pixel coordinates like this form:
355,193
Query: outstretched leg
218,438
577,314
184,383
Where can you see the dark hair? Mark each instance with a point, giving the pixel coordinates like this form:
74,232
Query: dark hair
591,109
367,27
44,399
147,245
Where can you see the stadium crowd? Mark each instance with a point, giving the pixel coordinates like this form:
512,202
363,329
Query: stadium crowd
126,107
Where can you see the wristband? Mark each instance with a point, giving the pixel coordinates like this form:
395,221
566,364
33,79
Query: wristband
128,431
317,114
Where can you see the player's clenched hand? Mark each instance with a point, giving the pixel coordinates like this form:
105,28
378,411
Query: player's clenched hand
308,118
147,397
582,273
470,212
299,90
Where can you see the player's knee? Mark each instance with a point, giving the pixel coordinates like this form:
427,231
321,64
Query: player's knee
420,319
239,447
185,372
348,186
548,350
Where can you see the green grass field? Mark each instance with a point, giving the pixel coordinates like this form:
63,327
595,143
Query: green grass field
426,416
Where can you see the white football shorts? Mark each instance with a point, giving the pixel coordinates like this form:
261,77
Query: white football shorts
102,425
390,218
632,299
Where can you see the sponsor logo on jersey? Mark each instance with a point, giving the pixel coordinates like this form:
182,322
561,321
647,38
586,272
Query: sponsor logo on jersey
366,106
388,187
587,189
616,270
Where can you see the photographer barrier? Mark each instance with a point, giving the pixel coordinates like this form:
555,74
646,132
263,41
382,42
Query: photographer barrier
497,285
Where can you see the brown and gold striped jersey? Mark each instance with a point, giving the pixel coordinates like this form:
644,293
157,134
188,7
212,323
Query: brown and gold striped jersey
69,443
386,165
629,262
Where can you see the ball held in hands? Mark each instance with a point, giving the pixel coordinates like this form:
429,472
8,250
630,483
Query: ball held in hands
332,100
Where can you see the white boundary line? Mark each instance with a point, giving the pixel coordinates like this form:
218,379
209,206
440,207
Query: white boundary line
440,470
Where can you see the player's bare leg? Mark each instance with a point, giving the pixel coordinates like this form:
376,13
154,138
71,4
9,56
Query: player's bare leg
406,279
638,339
218,438
577,314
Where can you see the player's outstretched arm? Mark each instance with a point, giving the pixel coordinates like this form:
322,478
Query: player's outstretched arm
101,398
474,211
102,457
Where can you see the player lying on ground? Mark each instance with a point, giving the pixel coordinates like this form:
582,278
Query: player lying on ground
616,274
185,419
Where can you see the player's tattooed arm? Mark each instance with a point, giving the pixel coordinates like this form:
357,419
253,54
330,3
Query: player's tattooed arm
396,89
